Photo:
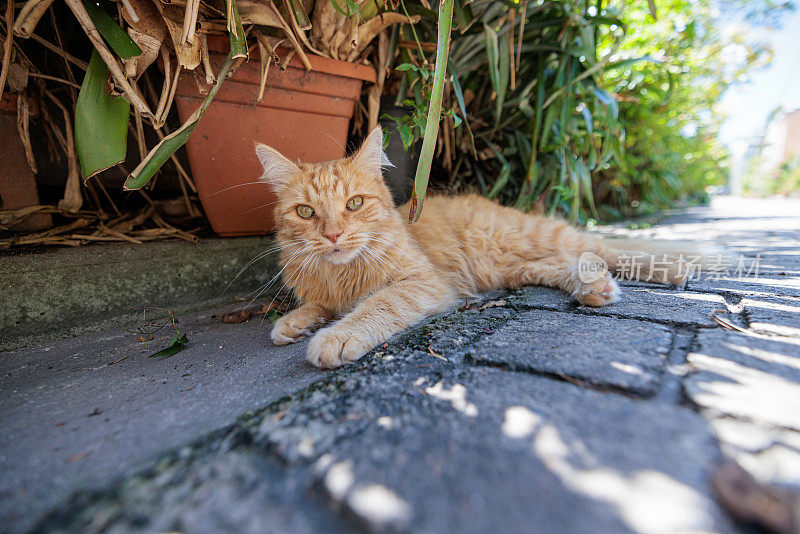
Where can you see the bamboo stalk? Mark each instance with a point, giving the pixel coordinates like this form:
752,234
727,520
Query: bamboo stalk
131,12
119,235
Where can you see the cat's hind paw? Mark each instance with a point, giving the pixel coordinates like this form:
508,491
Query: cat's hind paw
599,293
332,347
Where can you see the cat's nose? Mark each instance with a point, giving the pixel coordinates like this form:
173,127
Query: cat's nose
333,237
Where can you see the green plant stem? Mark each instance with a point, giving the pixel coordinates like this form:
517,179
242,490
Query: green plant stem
414,31
171,143
434,111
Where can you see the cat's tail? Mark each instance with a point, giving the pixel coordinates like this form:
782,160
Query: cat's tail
662,261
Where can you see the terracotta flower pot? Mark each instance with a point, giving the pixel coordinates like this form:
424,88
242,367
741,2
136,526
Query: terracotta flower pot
17,181
305,115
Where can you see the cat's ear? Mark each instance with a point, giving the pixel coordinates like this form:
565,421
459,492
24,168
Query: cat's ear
277,169
370,157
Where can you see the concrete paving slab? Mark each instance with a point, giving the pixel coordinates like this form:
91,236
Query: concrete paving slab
746,377
205,489
663,305
760,287
66,292
437,449
72,418
772,315
543,298
603,351
482,450
749,389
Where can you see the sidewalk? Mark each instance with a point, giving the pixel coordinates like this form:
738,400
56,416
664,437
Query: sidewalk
520,413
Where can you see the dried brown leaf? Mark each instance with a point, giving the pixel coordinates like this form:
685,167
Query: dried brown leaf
754,503
493,304
235,317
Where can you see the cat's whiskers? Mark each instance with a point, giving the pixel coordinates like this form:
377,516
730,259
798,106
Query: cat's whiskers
380,262
266,286
270,250
379,256
393,246
261,206
302,267
233,187
384,253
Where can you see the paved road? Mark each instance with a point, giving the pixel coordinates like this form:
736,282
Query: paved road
530,415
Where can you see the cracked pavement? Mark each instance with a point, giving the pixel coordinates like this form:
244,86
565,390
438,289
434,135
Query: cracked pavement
531,416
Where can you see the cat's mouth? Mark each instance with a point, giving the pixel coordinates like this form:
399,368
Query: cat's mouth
340,255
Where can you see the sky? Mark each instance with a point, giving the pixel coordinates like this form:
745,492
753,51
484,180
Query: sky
747,105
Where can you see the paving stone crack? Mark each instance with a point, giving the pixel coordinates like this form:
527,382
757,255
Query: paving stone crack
470,359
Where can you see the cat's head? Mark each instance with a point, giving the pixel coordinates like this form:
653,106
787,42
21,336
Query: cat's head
335,208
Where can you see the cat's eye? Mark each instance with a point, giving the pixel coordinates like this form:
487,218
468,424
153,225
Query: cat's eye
354,203
306,212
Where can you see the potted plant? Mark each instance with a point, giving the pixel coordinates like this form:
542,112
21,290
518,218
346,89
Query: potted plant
262,71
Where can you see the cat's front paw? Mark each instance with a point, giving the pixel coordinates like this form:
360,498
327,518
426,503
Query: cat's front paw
599,293
333,347
286,330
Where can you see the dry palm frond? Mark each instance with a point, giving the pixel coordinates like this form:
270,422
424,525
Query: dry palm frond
93,227
73,199
29,17
7,45
23,123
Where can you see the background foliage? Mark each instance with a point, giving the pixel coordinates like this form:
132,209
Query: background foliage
592,110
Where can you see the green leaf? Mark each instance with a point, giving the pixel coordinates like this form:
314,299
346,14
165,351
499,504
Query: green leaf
608,100
587,116
300,15
101,122
177,344
492,55
463,15
406,135
498,58
119,41
416,9
352,8
434,110
547,129
502,180
163,150
631,60
460,97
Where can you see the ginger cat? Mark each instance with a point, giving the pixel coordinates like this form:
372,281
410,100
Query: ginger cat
351,257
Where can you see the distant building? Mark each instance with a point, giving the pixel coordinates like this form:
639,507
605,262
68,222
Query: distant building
761,154
782,141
